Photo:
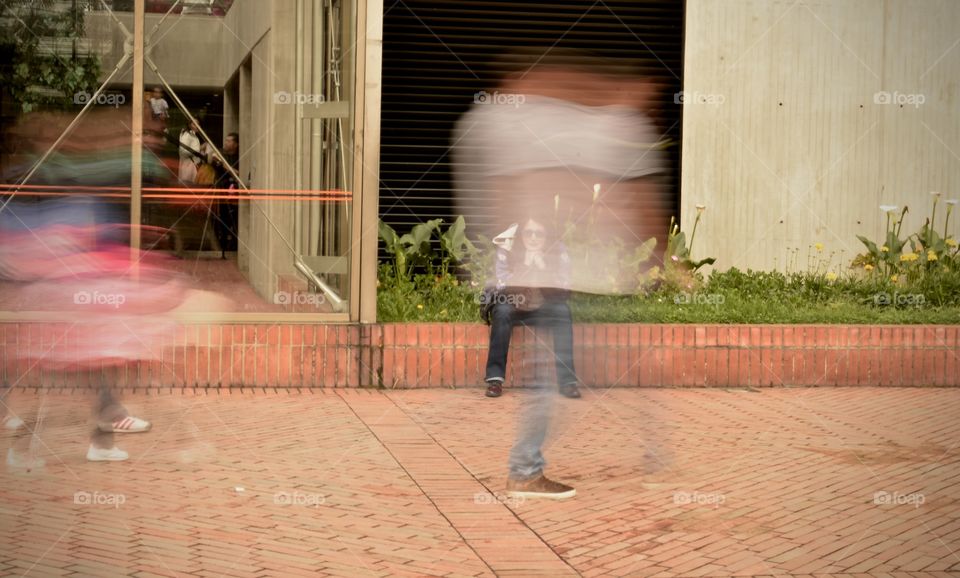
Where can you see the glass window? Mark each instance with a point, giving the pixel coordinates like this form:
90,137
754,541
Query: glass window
245,169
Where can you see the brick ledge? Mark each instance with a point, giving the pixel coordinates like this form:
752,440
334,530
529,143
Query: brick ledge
414,355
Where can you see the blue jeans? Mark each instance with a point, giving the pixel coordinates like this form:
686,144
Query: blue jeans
526,457
553,314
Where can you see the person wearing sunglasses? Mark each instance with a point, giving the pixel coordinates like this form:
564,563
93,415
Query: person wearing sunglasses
532,285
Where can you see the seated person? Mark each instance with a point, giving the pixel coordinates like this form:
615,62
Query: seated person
532,281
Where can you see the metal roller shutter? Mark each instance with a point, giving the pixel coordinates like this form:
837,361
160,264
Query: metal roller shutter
437,55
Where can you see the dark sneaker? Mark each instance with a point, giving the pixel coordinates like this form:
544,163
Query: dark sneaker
539,487
494,389
570,390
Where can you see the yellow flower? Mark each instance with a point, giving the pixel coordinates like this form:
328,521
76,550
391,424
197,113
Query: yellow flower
951,242
931,256
819,247
909,257
893,278
419,305
831,276
868,267
885,249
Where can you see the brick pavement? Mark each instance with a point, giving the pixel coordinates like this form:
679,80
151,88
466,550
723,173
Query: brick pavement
776,482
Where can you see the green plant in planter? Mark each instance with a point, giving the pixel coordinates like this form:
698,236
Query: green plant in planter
410,250
680,271
929,250
933,249
885,259
456,247
610,264
412,287
678,252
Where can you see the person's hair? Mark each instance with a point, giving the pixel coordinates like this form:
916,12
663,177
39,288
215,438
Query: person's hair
234,136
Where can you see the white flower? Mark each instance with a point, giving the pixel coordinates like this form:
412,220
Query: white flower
888,208
935,194
951,202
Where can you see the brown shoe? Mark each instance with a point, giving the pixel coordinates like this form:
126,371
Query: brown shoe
539,487
570,390
494,389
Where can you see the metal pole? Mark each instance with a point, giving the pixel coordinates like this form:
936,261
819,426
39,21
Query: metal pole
136,145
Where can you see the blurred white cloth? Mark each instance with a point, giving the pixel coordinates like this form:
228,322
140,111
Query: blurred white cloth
545,133
506,238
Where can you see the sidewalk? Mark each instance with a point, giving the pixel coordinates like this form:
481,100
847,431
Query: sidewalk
670,482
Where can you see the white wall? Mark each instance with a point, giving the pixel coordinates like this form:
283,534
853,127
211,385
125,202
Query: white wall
788,147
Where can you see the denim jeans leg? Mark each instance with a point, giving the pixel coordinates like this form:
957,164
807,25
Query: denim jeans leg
526,457
556,316
106,410
501,327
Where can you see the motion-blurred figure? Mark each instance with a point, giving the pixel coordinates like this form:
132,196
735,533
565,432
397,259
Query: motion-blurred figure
531,282
566,139
72,255
569,138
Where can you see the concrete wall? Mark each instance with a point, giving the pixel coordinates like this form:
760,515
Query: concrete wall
189,50
785,141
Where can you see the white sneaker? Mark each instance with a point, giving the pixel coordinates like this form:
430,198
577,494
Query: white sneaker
23,461
13,422
127,424
114,454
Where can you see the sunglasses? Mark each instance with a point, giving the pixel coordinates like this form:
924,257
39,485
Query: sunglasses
531,233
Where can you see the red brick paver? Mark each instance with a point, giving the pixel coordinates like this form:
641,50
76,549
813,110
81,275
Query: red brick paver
780,482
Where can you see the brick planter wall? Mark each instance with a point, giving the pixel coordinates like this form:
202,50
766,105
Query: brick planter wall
448,355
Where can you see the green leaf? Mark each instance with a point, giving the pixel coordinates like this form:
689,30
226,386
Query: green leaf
871,246
454,241
677,245
702,262
416,243
389,236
